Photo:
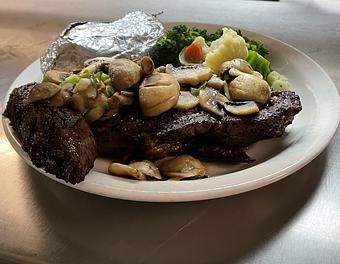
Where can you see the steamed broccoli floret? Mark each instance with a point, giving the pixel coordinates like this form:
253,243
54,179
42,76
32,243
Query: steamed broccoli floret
167,48
255,45
213,36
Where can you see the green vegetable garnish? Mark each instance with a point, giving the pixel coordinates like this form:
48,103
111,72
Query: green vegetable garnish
195,91
210,38
85,75
45,79
98,75
73,79
259,63
168,47
109,90
226,77
255,45
108,81
104,77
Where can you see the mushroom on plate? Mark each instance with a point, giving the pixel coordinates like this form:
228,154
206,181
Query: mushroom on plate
249,87
139,170
124,73
211,100
191,74
158,93
181,167
245,83
41,91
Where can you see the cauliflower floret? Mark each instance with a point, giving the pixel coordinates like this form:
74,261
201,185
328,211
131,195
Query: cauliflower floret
228,47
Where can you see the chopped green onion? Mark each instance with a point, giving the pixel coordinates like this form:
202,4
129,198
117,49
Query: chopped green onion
98,75
85,75
82,85
108,82
95,81
226,77
104,76
195,91
45,79
109,90
73,79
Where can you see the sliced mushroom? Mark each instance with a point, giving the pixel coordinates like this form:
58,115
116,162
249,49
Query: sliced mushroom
160,69
226,91
113,104
242,108
79,103
184,166
55,76
94,114
60,98
160,162
41,91
236,67
93,68
97,108
125,98
147,168
153,80
211,100
238,64
90,92
247,87
98,60
147,65
216,82
192,75
158,93
96,64
186,101
124,73
126,171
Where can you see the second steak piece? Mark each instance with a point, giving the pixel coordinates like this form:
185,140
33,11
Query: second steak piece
57,139
195,131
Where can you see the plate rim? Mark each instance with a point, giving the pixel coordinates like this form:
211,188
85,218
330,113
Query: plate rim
187,194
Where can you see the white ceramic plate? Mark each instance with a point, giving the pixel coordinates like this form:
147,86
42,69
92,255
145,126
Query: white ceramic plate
309,134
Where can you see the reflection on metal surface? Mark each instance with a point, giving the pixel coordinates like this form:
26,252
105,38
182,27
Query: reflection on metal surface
6,149
332,6
292,221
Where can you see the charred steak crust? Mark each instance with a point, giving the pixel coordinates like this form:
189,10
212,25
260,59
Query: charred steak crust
56,139
196,131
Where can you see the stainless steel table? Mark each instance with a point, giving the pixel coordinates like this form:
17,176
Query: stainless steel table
296,220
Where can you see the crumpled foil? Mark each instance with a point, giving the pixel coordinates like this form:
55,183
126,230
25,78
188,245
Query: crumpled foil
132,36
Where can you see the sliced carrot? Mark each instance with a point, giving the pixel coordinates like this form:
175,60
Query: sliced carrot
193,53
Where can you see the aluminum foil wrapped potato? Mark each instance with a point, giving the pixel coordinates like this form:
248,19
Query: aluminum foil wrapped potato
135,33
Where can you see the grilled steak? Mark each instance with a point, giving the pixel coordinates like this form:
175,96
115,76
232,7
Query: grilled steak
56,139
60,141
194,132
